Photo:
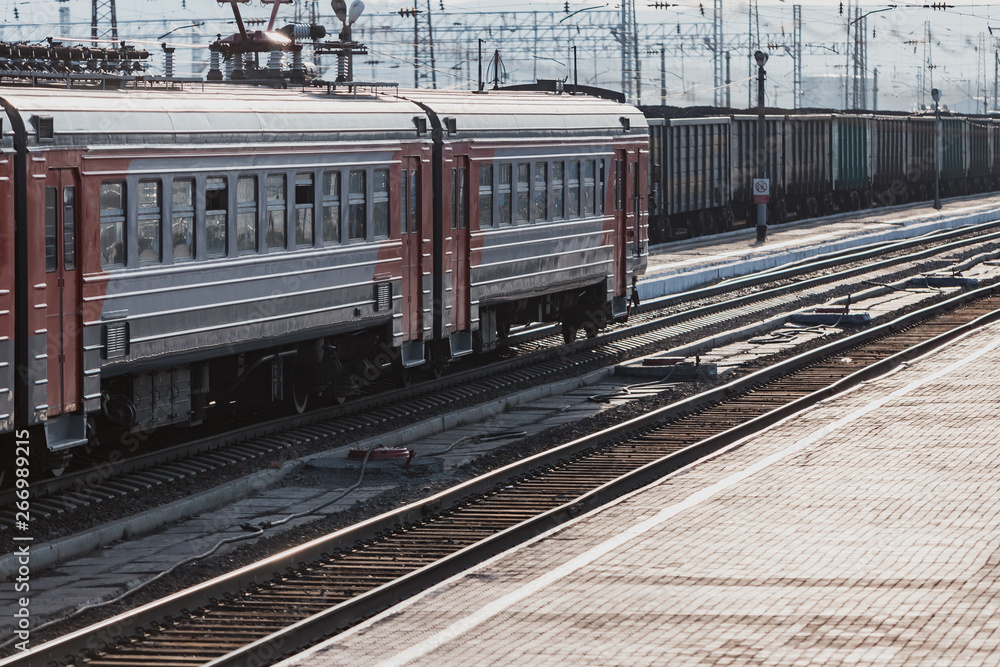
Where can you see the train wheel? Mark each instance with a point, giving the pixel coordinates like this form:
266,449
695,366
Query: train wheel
404,375
590,328
568,332
300,395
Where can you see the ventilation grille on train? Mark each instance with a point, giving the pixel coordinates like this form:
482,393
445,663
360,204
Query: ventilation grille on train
115,340
44,128
383,296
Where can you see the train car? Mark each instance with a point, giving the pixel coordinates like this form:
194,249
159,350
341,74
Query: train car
690,173
807,164
185,248
743,160
889,159
852,161
243,247
7,287
920,158
955,154
979,164
542,212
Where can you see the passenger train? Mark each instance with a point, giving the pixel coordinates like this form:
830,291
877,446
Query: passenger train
167,250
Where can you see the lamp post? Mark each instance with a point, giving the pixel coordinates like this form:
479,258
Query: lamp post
936,95
761,58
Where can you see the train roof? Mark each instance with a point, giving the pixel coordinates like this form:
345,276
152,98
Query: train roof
214,114
209,114
502,112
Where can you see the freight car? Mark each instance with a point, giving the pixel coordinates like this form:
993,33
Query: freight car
818,163
177,250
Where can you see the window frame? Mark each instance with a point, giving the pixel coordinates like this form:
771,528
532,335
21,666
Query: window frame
216,212
380,204
333,200
149,214
272,206
115,217
253,208
356,199
180,212
305,210
486,194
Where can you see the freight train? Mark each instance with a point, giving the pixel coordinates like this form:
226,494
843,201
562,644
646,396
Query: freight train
702,164
163,251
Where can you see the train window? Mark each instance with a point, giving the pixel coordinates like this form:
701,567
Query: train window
357,211
557,190
503,194
216,215
331,207
523,192
246,214
69,227
51,239
113,223
380,203
182,219
414,192
150,218
588,188
599,204
276,214
573,190
485,196
304,203
454,198
403,201
463,211
541,191
619,186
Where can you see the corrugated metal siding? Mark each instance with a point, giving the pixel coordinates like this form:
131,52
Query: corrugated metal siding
743,144
953,153
697,174
920,156
807,154
889,152
852,158
979,148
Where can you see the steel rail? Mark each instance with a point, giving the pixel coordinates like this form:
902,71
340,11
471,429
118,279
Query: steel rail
77,644
50,487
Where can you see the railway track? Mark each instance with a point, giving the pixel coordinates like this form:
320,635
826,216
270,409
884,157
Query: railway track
537,362
278,606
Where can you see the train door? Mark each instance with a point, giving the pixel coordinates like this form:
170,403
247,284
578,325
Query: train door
633,225
460,243
410,234
625,219
63,314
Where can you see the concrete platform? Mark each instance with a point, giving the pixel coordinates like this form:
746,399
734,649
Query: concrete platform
865,530
684,265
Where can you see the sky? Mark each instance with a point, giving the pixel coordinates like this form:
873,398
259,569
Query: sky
962,49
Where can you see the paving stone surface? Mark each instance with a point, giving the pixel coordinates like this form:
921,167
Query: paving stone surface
864,531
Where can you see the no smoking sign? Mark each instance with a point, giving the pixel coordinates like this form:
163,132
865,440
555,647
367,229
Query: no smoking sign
761,190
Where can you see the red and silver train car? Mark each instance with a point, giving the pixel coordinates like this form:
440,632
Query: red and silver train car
542,200
178,249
